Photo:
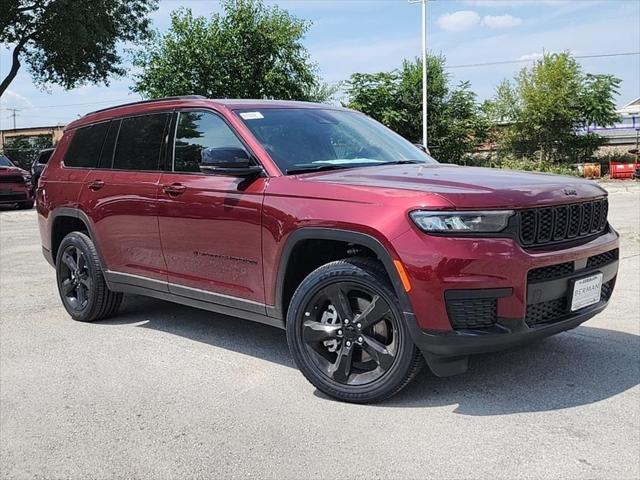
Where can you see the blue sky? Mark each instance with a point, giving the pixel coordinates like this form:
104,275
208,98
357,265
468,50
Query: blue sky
350,36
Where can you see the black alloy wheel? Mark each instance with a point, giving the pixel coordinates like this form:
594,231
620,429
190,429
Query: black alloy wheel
81,284
75,278
347,334
350,333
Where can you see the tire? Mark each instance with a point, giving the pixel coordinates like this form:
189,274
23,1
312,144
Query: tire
83,290
381,359
25,205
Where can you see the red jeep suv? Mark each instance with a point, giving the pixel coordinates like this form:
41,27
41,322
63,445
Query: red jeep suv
15,185
316,219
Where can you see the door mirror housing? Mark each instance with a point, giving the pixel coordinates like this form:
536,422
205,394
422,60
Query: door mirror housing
423,148
232,161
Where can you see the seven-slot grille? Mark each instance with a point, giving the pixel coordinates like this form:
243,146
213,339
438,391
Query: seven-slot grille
11,179
540,226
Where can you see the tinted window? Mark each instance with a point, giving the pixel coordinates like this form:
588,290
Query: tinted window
197,131
5,162
85,146
106,157
140,142
44,156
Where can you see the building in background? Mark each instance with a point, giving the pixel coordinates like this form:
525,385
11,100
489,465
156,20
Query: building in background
624,135
22,145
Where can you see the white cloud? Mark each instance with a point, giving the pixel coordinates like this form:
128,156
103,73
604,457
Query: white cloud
466,19
11,98
530,56
501,21
458,21
513,3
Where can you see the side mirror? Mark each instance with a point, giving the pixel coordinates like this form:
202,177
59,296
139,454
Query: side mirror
424,148
231,161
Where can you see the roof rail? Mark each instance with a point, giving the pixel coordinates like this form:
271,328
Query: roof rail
182,97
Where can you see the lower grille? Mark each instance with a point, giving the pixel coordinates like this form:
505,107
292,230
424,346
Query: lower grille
551,272
602,259
13,197
472,313
558,309
546,311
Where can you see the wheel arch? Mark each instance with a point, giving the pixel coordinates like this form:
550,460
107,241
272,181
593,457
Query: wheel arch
336,235
64,220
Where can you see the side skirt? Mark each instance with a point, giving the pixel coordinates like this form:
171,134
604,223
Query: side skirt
222,304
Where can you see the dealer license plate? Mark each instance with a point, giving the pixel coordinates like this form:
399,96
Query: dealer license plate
586,291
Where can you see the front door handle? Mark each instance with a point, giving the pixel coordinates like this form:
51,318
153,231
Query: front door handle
174,189
96,185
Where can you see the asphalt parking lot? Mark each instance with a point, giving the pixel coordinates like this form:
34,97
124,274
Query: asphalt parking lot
165,391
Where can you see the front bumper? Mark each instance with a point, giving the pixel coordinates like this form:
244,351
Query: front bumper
15,193
483,294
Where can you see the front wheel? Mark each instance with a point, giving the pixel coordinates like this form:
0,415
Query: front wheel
347,335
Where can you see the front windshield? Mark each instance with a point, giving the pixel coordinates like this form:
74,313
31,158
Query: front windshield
5,162
299,139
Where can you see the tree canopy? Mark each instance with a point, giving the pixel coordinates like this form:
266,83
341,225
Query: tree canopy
250,50
546,111
68,43
455,126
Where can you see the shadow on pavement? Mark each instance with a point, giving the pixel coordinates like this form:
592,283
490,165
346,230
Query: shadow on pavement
575,368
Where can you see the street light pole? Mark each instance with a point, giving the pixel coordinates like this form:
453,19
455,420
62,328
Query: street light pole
424,69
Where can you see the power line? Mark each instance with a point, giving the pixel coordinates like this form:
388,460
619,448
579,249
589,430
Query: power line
13,115
524,60
334,82
74,104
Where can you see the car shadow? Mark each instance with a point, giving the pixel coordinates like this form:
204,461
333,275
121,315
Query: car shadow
575,368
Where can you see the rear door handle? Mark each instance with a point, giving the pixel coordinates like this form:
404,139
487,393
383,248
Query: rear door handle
174,189
96,185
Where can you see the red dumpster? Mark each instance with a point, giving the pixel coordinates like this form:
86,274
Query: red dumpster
621,170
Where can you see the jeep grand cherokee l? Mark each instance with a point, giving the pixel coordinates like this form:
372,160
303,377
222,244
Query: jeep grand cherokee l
316,219
15,185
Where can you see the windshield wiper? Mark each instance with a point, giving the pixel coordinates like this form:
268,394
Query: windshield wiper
402,162
316,168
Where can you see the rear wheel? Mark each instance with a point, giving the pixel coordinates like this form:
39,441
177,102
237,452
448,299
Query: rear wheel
83,290
347,335
25,205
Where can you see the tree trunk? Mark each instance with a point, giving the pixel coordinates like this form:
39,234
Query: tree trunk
15,65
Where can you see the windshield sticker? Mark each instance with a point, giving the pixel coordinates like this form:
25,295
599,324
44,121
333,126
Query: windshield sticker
251,115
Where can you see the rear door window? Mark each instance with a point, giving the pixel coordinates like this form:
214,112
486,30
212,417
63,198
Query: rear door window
140,142
84,150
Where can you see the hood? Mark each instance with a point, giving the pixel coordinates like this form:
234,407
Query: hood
11,170
469,187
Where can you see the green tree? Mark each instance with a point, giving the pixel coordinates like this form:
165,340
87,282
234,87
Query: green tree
67,42
249,51
24,149
454,124
546,112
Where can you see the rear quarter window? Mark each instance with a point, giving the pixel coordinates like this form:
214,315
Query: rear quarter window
85,147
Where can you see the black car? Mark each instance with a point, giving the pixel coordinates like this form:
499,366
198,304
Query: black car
38,166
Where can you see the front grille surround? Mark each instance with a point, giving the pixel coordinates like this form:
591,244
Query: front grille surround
547,225
11,179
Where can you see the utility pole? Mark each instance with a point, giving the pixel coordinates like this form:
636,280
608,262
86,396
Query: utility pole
424,70
13,115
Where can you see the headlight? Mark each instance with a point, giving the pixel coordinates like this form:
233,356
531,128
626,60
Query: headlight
462,222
